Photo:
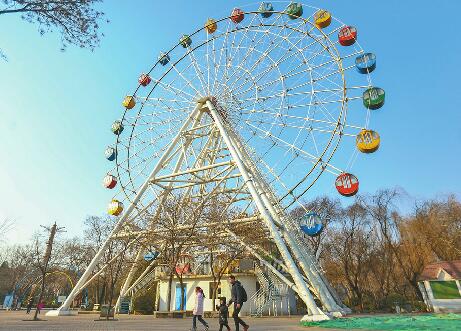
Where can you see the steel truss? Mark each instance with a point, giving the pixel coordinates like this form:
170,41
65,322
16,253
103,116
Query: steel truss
222,167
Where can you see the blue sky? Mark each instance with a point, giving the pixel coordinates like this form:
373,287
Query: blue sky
57,108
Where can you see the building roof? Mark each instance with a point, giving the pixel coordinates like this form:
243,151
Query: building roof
431,271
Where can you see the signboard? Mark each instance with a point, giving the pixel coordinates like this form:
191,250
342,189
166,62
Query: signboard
61,298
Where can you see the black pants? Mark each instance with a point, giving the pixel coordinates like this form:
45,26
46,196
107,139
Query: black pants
236,317
200,319
222,324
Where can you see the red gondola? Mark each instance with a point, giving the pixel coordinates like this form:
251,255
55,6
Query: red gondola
237,15
347,36
144,79
347,184
109,181
183,266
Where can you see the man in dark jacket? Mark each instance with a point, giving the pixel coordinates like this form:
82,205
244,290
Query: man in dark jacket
237,297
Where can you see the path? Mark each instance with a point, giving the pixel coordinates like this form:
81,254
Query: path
13,321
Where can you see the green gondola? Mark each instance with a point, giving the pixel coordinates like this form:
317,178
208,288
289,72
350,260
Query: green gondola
373,98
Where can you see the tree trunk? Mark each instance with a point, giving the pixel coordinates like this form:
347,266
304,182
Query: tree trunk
183,304
111,297
414,284
46,260
168,299
102,294
40,297
215,290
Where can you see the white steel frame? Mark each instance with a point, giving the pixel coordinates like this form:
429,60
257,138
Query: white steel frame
279,75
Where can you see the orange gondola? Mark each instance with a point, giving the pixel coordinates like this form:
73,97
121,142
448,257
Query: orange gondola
347,36
237,15
211,25
347,184
109,181
144,79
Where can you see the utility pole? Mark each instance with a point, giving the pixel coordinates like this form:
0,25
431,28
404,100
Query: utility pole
46,259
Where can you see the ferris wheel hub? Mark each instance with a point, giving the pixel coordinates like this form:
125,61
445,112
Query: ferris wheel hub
222,110
203,100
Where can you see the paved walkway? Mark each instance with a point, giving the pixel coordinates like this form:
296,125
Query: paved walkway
13,321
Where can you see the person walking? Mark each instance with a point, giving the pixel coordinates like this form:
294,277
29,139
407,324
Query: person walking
238,297
29,306
223,314
198,310
40,306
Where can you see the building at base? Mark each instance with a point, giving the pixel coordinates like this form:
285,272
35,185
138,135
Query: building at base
440,285
266,294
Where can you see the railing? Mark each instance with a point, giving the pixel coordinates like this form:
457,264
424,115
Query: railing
258,301
271,292
144,284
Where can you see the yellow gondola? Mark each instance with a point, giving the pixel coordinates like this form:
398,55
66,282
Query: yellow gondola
211,25
115,208
322,18
367,141
129,102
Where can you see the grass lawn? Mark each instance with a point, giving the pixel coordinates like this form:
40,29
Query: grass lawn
445,322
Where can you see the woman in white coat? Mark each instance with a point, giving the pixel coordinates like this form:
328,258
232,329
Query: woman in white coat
198,309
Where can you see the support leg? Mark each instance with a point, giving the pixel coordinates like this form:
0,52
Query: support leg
64,309
128,279
300,284
304,259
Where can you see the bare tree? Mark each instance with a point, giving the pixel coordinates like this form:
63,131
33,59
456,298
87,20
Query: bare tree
381,208
7,224
350,250
223,254
77,21
439,224
116,252
46,262
97,229
177,221
18,269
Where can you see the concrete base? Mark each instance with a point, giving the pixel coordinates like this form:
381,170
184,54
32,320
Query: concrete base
62,312
315,318
347,310
336,313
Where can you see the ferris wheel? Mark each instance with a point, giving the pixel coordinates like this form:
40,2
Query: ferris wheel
249,109
285,77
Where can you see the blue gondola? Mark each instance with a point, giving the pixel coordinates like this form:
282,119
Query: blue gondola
150,256
163,58
311,224
110,153
266,9
365,63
